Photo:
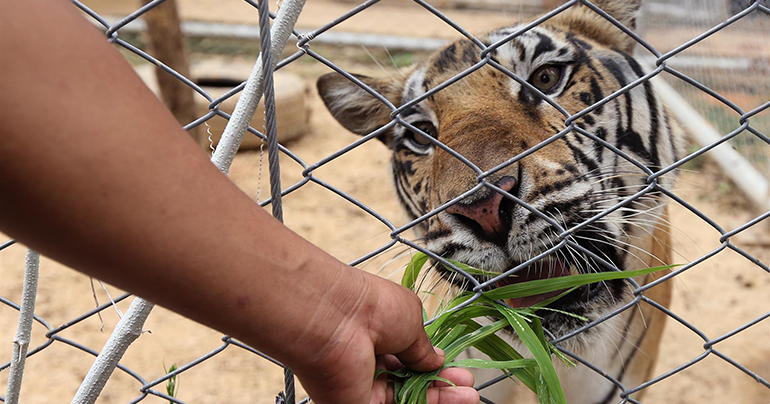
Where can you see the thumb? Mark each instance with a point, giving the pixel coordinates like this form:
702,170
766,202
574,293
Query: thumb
422,356
398,330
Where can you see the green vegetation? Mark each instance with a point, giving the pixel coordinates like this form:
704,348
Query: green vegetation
455,330
172,384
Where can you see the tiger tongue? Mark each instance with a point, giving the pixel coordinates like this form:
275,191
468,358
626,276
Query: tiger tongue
539,270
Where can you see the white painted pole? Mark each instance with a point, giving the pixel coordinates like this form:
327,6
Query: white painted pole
734,165
24,329
130,326
249,99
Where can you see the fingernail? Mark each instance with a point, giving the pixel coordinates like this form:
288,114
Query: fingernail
439,351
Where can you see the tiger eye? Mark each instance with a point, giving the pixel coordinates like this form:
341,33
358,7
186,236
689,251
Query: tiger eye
546,77
426,127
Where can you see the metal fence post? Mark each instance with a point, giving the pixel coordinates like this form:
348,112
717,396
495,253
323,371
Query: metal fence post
24,330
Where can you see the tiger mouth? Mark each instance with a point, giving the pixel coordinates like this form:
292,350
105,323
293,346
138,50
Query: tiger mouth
543,269
546,268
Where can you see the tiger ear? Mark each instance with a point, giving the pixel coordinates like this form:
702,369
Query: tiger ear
355,108
582,19
625,11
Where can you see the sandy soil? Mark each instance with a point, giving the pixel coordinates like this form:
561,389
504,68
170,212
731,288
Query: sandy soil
405,18
379,18
716,296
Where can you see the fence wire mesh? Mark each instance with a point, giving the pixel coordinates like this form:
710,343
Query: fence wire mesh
742,124
738,75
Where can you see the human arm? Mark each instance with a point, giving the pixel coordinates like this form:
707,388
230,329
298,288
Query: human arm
97,174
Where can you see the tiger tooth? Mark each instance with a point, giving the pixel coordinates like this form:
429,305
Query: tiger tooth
573,270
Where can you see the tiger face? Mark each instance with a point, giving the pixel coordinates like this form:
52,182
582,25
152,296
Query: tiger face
492,126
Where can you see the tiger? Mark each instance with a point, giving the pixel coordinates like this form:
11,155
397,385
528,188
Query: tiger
488,117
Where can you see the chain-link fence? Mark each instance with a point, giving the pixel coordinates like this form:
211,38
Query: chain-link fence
656,180
738,75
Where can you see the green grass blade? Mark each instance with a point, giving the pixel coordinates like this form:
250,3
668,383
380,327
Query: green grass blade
469,269
490,348
413,270
419,259
397,386
468,340
456,331
449,320
497,349
538,306
543,397
412,387
566,313
440,300
537,327
415,389
441,379
439,336
421,397
459,317
490,364
541,354
451,336
566,360
400,373
541,286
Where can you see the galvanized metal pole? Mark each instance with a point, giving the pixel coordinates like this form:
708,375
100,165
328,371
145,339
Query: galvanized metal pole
24,329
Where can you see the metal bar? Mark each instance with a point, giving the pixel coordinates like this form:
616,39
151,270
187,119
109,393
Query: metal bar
24,329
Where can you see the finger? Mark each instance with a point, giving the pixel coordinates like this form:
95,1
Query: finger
458,376
391,397
422,356
452,395
408,342
379,389
392,363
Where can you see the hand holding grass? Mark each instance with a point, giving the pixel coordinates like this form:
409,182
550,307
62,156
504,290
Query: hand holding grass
382,323
159,220
440,392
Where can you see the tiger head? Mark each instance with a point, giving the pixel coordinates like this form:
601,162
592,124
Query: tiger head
495,124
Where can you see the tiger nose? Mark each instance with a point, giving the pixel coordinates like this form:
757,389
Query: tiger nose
486,213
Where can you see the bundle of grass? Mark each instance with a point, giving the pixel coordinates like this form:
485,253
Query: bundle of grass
455,330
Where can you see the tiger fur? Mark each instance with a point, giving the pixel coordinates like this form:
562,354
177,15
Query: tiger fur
577,58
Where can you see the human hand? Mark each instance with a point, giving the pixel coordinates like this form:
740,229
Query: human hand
101,200
382,327
440,392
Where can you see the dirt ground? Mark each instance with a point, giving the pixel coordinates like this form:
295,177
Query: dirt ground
717,296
